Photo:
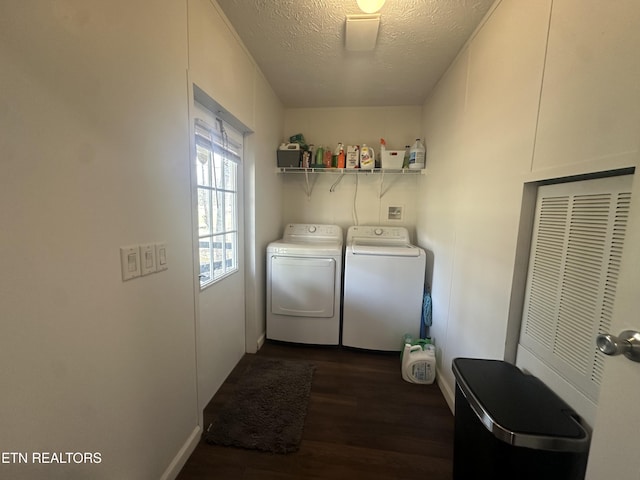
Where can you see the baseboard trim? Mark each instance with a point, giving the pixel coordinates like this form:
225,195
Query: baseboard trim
447,393
183,455
261,339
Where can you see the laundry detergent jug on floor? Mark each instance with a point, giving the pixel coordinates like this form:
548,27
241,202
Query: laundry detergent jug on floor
419,363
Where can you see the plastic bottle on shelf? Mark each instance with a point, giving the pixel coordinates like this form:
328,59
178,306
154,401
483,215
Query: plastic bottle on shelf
353,156
405,163
367,157
308,160
342,158
383,153
417,155
319,156
328,158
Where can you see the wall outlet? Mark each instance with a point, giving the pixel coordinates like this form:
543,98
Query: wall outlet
161,257
147,258
130,262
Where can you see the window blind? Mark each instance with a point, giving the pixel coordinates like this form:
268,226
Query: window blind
222,140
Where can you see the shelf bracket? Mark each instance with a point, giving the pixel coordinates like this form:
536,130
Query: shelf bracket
335,184
309,185
383,190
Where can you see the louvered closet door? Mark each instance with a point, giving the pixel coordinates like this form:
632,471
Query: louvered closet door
573,272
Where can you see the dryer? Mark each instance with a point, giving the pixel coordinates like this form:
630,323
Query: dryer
383,287
304,281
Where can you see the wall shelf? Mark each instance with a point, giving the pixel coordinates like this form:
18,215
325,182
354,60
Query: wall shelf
381,172
351,171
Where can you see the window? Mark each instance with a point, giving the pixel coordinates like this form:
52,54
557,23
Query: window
218,151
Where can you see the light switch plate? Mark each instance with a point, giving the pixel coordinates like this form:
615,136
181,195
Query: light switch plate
147,258
161,257
130,262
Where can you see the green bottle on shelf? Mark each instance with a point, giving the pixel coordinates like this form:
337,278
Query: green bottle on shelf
319,157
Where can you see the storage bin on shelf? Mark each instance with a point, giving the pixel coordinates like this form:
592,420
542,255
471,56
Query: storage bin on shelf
289,155
392,159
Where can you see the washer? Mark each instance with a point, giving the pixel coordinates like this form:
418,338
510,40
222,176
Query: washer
304,281
383,287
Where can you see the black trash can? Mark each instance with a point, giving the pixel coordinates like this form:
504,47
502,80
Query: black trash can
509,425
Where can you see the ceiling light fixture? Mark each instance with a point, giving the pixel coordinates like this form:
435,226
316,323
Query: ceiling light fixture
361,32
370,6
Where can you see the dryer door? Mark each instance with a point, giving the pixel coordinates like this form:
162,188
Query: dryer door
302,287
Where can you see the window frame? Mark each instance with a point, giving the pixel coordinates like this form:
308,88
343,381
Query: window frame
217,197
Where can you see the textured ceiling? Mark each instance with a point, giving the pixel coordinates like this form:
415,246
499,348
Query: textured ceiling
299,46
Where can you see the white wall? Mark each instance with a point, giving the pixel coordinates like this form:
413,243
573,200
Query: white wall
94,155
514,109
231,312
589,116
399,126
480,126
264,200
214,59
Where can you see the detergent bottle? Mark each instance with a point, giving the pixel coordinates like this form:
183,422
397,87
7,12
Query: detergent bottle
417,155
411,340
367,158
419,363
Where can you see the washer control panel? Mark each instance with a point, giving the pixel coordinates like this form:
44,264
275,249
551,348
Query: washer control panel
393,235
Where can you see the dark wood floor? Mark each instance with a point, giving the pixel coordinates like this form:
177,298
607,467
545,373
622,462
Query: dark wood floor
363,422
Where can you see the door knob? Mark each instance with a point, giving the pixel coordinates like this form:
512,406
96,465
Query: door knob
627,344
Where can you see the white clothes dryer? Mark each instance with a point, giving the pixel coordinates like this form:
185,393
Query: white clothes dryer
383,287
304,281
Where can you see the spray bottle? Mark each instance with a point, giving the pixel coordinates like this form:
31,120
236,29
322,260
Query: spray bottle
341,157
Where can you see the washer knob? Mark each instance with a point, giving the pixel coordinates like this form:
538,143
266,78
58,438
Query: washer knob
312,229
378,231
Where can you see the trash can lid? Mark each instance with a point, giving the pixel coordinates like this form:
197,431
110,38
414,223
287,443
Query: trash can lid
517,408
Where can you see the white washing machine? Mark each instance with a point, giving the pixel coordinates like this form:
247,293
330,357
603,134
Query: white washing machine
304,280
383,287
